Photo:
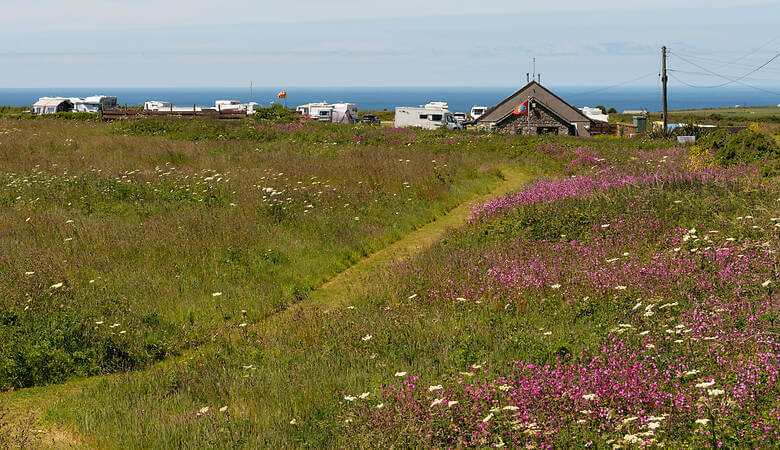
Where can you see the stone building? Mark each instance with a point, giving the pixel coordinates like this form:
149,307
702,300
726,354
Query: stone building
547,114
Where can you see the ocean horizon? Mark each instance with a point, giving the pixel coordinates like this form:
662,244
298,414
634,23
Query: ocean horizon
387,98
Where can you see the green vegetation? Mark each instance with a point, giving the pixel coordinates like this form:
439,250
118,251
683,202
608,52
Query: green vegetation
195,272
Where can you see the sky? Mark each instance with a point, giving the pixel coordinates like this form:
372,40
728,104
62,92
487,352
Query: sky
190,43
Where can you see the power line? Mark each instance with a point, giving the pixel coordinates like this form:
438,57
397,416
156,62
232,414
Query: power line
581,94
708,87
729,80
707,59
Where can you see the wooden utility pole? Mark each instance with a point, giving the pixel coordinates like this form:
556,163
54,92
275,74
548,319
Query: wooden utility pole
664,79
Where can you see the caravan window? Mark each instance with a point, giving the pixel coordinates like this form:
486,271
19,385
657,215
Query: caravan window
436,117
424,116
324,113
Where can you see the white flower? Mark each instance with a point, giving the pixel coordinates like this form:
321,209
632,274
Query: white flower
437,401
366,338
510,408
487,418
705,385
702,421
606,225
611,260
548,333
242,324
216,294
56,286
452,403
630,419
435,388
380,406
204,410
293,422
400,374
653,425
636,306
766,283
555,286
412,296
223,409
350,398
364,395
504,387
626,254
122,332
715,392
99,322
29,273
461,299
631,439
589,396
620,288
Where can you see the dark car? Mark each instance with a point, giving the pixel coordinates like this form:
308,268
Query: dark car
370,119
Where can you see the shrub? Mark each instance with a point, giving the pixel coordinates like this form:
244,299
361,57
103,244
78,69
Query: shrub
276,113
748,145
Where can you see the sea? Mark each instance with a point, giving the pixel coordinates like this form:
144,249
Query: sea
387,98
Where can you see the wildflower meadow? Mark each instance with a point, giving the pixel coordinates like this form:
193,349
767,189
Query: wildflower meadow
172,285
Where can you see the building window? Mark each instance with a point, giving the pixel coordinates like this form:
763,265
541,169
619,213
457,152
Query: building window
547,130
423,116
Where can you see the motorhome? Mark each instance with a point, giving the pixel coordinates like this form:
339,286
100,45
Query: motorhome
430,117
478,111
94,104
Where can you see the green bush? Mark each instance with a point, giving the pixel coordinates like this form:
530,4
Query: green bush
276,113
745,146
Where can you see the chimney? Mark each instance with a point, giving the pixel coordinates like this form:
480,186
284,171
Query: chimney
527,77
540,78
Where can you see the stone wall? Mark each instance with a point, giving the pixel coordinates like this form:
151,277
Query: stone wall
539,118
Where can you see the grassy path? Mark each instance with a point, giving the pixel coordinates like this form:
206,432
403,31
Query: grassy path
26,407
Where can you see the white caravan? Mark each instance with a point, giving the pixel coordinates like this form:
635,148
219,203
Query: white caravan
346,113
330,112
94,104
478,111
595,114
232,105
429,117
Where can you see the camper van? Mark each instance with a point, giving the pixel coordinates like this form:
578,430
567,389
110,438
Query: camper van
429,117
477,112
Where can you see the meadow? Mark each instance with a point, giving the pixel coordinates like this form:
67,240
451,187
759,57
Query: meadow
168,277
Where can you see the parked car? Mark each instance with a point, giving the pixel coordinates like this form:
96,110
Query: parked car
371,119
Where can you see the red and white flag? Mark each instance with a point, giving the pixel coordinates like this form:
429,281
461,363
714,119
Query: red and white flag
282,94
522,109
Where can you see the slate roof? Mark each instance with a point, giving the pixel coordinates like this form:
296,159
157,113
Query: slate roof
504,109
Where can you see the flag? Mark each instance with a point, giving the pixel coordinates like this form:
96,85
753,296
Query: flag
522,109
282,94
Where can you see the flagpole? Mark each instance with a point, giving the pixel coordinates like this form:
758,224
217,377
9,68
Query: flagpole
528,114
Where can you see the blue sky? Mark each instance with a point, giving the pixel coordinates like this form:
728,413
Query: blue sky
141,43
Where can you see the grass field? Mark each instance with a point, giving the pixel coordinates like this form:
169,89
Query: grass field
723,116
178,281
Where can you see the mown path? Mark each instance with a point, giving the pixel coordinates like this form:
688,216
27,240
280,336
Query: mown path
25,407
